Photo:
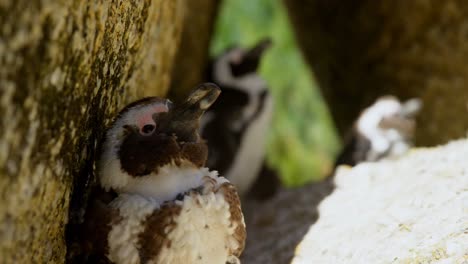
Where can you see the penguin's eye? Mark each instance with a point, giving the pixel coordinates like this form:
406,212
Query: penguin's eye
147,129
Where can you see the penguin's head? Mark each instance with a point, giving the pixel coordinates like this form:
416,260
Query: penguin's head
389,126
245,61
152,134
244,90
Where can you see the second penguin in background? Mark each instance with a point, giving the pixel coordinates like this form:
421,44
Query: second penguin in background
236,126
383,130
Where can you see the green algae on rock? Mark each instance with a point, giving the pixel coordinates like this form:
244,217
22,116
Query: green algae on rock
66,66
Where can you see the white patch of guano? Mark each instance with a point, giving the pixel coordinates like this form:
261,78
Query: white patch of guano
382,140
204,232
251,152
123,237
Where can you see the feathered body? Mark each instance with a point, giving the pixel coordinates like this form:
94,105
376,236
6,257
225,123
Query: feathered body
383,130
161,204
237,124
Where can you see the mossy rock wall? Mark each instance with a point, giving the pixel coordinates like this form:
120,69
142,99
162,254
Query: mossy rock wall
66,67
359,50
193,51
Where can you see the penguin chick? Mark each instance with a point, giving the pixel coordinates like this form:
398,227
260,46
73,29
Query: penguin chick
236,125
168,207
383,130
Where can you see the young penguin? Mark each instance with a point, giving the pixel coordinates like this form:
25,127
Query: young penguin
167,207
383,130
236,125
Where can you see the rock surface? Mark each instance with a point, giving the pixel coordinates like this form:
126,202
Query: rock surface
276,226
66,66
193,51
362,49
411,210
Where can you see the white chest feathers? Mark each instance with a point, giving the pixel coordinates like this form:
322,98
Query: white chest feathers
197,229
251,153
204,232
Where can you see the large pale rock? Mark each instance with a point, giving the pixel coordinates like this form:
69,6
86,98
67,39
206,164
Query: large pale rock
65,67
412,210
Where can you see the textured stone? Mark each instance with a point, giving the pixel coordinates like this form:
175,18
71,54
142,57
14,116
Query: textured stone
359,50
193,51
66,67
276,226
411,210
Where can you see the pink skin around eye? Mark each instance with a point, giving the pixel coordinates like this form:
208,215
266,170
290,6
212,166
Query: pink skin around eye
146,118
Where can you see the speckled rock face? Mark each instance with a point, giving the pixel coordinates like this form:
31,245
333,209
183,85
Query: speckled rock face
362,49
411,210
192,53
66,66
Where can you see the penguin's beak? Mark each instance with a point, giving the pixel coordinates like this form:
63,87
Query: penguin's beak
183,119
200,99
257,51
404,121
248,61
411,108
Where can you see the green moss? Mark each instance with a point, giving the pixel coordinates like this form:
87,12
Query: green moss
66,68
